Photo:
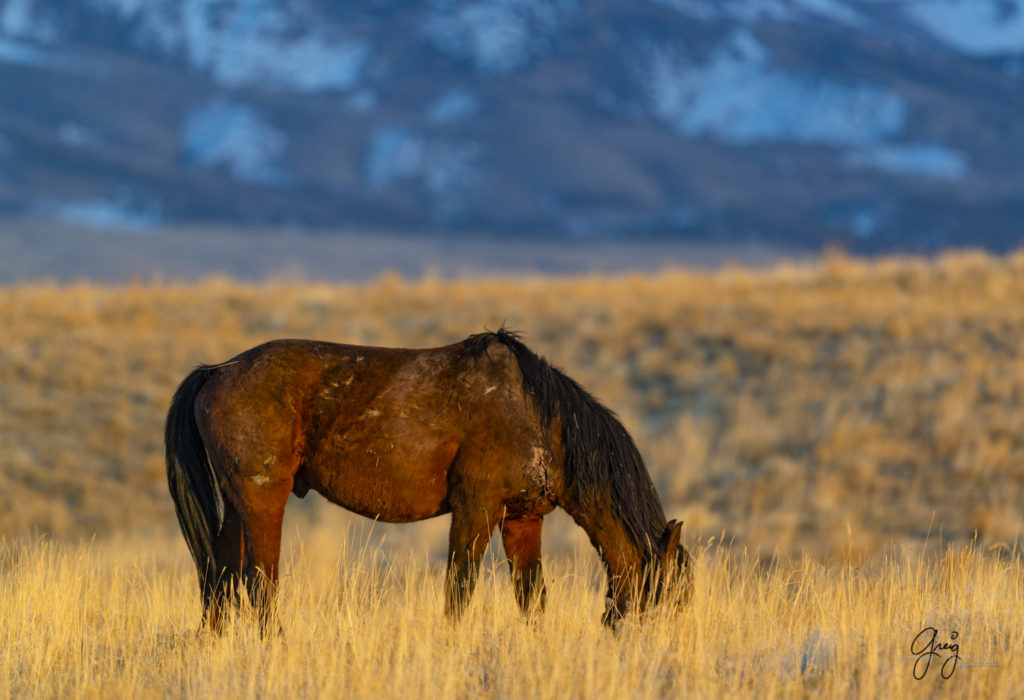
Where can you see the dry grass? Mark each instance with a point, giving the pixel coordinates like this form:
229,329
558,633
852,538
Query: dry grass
105,620
811,424
785,408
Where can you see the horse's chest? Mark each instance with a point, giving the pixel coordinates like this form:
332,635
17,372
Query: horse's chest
535,494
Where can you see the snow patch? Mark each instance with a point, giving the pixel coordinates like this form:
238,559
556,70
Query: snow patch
864,223
838,12
16,18
253,43
447,170
453,106
753,11
17,52
924,159
21,53
26,19
119,214
307,65
233,136
982,28
738,97
394,153
76,135
498,36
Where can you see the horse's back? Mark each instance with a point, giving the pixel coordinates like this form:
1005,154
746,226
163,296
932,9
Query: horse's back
381,431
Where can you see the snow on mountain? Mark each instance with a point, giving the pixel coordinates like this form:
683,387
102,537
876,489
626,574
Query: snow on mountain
834,10
16,17
236,137
76,135
394,153
121,214
981,28
498,36
738,96
925,159
453,106
753,11
249,43
875,123
445,169
27,19
17,52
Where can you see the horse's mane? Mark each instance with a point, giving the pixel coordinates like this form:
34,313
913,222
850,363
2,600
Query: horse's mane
601,460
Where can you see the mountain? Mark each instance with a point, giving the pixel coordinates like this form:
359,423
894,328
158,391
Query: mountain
878,126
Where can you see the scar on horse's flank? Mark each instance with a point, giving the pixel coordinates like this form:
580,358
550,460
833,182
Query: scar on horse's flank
293,415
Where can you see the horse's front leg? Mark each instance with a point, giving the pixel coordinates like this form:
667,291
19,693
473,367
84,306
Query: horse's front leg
521,537
470,532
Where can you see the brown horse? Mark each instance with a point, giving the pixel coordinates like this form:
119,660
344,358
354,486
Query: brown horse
483,429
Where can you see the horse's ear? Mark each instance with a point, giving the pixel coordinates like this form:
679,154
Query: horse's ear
673,535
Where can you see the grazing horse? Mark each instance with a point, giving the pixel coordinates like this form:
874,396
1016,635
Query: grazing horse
483,429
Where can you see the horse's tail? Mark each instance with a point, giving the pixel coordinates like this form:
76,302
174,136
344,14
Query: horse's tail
601,459
198,502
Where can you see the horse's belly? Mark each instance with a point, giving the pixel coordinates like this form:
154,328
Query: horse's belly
384,482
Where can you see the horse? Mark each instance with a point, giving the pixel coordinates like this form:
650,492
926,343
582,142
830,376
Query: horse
483,429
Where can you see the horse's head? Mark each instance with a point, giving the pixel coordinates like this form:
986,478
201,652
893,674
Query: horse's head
672,581
667,578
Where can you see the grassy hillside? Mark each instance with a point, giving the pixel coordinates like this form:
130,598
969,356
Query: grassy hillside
862,421
825,409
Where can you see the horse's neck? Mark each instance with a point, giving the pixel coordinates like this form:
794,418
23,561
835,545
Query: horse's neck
623,560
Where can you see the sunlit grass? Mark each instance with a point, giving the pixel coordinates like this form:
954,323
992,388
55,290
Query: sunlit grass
844,440
119,618
788,407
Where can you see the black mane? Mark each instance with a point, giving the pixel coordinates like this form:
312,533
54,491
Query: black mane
602,463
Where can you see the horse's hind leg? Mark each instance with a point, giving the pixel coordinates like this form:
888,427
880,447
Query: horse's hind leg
521,537
223,588
262,534
470,532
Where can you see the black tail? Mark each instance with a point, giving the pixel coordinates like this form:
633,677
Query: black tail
197,498
601,459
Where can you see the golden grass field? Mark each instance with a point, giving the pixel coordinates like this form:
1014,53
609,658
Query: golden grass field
118,619
845,441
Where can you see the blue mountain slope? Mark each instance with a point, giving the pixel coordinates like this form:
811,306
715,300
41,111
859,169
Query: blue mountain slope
877,125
